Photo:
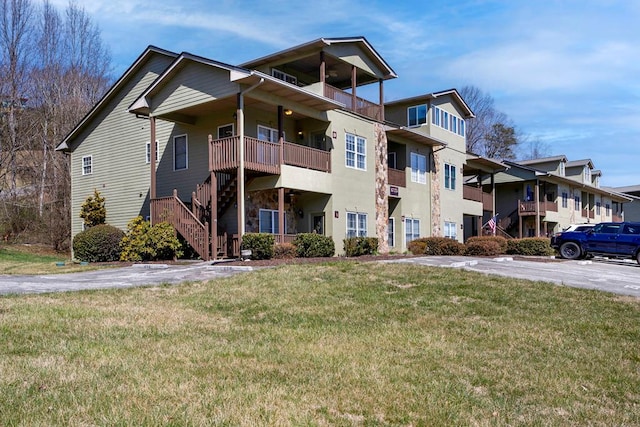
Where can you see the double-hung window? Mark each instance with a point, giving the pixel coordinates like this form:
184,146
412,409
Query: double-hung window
576,203
450,230
356,154
180,153
148,151
449,176
417,115
565,200
87,165
435,116
356,224
598,207
411,229
269,221
418,168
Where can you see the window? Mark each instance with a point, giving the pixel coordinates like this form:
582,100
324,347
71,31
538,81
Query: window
225,131
607,209
598,207
446,120
450,230
435,116
565,200
269,221
180,152
87,165
576,203
417,115
461,127
148,151
562,169
267,134
391,231
356,151
356,224
449,176
631,229
392,160
284,76
411,229
587,174
418,168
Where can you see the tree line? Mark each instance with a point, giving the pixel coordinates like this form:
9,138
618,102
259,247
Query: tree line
54,66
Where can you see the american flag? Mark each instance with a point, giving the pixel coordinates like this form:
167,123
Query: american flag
492,223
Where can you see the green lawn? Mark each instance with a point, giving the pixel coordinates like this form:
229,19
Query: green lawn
26,259
342,343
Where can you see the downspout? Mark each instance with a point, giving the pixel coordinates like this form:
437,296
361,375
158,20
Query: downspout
241,213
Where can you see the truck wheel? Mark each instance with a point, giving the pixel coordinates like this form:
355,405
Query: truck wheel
570,250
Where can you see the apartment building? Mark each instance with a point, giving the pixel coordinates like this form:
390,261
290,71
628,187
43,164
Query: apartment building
282,144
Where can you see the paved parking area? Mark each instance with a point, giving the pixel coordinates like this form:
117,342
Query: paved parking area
617,276
620,277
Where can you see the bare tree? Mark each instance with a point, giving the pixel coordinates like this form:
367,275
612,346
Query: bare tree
491,133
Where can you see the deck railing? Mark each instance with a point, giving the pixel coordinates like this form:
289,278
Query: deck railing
588,213
284,238
264,156
172,210
529,208
362,106
397,177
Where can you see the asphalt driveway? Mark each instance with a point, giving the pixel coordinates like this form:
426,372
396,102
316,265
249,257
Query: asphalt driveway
620,277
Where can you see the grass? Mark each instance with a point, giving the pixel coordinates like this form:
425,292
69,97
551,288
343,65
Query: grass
31,259
341,343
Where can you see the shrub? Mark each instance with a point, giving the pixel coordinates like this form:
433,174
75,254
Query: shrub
93,211
260,244
144,242
100,243
486,245
284,251
310,245
530,246
436,246
358,246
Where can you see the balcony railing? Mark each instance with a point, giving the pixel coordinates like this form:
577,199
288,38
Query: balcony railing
529,208
264,156
397,177
362,106
587,213
476,194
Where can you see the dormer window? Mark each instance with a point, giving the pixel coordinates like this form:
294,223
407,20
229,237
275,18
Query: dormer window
562,169
417,115
281,75
448,121
587,174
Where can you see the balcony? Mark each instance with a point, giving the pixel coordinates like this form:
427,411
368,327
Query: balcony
477,195
587,213
265,156
357,104
529,208
396,177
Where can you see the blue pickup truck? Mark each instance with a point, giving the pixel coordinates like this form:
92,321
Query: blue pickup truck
609,239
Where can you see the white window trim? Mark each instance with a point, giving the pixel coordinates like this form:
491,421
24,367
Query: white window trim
359,232
448,226
392,233
416,107
233,130
186,160
286,77
417,175
355,152
275,221
90,165
445,120
413,221
273,133
451,184
148,151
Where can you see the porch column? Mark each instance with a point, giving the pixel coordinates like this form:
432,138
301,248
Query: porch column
353,88
537,198
214,215
520,220
478,226
323,72
281,213
152,165
240,190
381,87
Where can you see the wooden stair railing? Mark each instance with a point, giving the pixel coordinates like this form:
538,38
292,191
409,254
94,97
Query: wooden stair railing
172,210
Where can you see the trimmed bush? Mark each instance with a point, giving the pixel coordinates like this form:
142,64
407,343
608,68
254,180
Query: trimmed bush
436,246
100,243
284,251
93,211
486,245
358,246
530,246
260,244
310,245
144,242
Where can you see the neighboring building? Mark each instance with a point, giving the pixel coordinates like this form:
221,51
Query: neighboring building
631,209
282,144
541,196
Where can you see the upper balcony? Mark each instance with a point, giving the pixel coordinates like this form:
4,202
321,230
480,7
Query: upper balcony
354,103
476,194
527,208
264,156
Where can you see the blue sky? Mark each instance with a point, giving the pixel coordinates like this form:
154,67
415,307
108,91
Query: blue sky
566,72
